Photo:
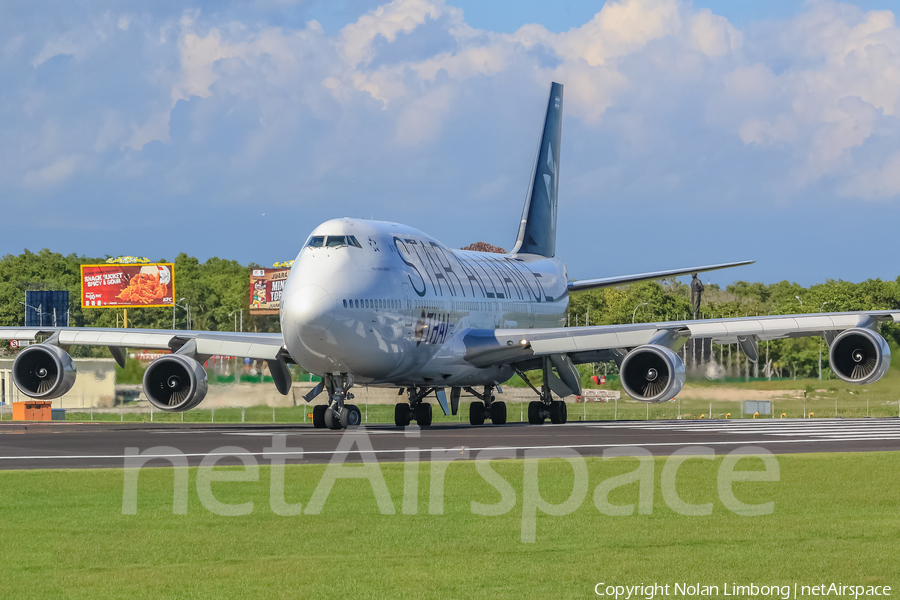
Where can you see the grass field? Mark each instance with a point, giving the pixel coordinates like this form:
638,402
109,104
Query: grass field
688,408
63,535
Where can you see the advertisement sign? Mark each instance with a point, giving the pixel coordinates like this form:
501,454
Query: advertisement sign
121,286
266,287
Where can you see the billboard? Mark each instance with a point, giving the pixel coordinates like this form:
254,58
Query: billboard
266,287
46,308
114,285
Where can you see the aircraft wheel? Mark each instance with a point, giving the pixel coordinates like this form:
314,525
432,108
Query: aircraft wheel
401,414
498,413
423,414
476,413
330,421
558,412
319,416
534,413
350,416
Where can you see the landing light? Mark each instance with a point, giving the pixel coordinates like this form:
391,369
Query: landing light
524,342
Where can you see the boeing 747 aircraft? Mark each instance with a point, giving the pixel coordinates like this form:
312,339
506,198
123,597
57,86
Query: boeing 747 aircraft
384,304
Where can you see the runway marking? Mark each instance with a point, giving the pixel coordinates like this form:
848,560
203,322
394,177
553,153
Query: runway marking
319,432
826,430
461,449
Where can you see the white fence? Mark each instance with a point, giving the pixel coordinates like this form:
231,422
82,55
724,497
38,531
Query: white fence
597,396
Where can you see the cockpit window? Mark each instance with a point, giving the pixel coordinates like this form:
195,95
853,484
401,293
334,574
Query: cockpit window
332,241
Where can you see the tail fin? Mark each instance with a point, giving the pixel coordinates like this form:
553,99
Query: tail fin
537,231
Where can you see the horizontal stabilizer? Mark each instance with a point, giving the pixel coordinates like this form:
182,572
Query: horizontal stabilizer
589,284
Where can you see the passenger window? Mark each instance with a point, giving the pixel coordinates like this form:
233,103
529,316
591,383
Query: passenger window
316,241
357,303
335,241
345,303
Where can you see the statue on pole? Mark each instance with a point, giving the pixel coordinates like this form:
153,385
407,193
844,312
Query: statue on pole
696,292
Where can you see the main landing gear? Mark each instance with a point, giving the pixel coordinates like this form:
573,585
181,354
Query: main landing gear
486,407
415,409
545,408
338,414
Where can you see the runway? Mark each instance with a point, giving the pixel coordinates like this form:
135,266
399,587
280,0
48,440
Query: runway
106,445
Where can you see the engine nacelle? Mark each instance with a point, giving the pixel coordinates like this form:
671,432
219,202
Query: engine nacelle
175,383
43,371
652,373
859,355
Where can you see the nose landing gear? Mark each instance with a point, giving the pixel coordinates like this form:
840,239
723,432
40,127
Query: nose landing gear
486,407
338,414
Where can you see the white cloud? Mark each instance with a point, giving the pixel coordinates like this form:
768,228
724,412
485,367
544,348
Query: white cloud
155,128
111,132
619,28
53,174
13,45
713,35
386,21
420,120
817,89
78,43
65,45
849,82
879,183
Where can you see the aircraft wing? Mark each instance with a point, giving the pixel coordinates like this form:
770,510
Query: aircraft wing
590,284
264,346
524,348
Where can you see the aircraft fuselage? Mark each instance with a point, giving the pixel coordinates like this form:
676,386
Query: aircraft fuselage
387,303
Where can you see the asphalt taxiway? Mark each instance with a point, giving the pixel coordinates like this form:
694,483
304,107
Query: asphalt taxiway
106,445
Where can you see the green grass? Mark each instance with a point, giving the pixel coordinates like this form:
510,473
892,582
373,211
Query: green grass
64,535
827,404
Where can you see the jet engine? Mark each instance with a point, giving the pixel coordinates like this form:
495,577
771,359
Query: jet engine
43,371
859,355
175,383
652,373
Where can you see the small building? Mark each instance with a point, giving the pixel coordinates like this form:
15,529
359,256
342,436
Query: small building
95,385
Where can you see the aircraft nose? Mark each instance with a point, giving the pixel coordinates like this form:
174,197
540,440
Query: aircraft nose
310,309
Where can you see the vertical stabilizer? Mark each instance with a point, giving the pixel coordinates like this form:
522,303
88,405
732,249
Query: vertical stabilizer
537,231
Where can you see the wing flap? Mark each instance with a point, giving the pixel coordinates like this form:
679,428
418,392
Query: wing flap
237,348
15,333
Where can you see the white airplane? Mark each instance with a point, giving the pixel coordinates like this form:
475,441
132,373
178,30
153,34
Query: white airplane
384,304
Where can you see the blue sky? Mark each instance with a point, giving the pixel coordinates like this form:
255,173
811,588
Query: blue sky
693,132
